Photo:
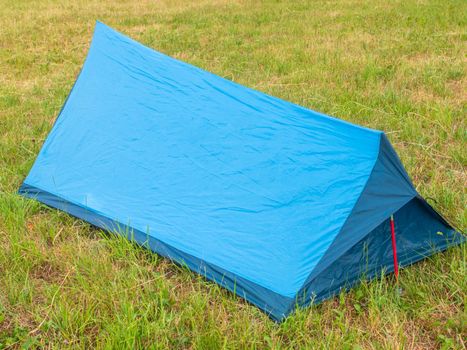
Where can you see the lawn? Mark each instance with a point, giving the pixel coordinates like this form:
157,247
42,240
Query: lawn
397,66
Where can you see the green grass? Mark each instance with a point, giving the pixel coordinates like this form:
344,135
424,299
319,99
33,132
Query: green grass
398,66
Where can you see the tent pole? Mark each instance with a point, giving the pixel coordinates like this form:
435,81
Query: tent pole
394,248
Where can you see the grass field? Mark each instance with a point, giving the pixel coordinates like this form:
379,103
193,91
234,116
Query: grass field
399,66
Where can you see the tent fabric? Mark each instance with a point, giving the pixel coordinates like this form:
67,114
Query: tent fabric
271,200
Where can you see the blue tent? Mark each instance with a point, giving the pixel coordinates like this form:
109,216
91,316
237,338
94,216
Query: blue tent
277,203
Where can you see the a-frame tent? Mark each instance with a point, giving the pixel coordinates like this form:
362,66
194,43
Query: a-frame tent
280,204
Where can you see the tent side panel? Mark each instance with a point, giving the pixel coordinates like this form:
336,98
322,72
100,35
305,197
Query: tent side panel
275,305
420,233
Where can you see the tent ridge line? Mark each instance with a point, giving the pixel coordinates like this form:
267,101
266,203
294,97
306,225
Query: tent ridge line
250,89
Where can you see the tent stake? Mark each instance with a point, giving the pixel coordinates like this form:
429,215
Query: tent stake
394,248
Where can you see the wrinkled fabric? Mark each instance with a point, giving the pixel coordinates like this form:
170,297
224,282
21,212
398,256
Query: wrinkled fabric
210,172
